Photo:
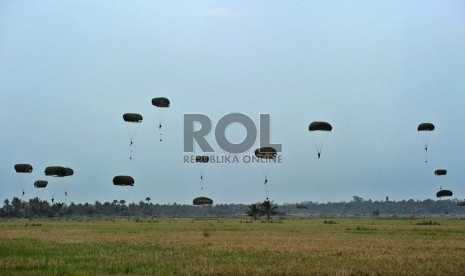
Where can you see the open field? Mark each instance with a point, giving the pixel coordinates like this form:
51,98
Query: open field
336,246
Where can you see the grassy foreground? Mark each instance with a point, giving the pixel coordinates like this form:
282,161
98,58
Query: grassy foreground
336,246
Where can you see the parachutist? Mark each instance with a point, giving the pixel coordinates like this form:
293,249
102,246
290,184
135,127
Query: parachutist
53,200
266,181
23,193
159,127
66,193
319,155
201,177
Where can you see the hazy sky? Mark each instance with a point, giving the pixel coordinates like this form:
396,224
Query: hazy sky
373,69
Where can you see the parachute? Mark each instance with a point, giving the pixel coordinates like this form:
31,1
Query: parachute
161,106
132,121
123,180
122,184
320,132
201,162
202,201
40,184
443,193
425,131
440,173
23,168
55,171
23,171
266,157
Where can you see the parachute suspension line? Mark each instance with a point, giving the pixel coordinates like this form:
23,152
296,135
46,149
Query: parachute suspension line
201,183
267,192
131,150
426,154
65,189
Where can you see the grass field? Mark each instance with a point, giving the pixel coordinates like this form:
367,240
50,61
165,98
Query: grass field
335,246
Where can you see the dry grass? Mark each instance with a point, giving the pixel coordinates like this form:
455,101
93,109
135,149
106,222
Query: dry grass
230,247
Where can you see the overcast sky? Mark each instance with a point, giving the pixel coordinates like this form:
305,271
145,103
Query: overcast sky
69,70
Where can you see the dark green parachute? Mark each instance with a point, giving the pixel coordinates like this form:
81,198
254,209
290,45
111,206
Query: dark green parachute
425,127
56,171
322,126
443,193
23,168
132,121
425,130
123,180
202,201
40,183
268,156
266,153
162,104
320,132
440,175
23,171
440,172
132,117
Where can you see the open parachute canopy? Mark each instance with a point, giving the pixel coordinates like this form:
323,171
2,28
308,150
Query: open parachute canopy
132,117
320,132
443,193
123,180
425,131
266,153
23,168
321,126
202,201
202,159
425,127
56,171
40,183
161,102
440,172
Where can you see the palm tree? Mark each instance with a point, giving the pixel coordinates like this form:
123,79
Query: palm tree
254,211
269,209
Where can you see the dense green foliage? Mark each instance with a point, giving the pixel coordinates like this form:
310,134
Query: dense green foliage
35,207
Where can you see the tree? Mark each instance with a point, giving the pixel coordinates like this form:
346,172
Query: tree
254,211
269,209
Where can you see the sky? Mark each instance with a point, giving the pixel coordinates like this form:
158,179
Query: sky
374,70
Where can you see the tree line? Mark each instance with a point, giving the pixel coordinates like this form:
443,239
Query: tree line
37,208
